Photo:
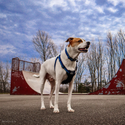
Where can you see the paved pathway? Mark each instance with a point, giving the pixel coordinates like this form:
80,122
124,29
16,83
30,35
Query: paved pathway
89,110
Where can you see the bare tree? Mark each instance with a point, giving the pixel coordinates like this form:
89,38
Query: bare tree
80,69
44,45
111,55
100,60
119,46
34,60
95,62
92,63
61,47
4,77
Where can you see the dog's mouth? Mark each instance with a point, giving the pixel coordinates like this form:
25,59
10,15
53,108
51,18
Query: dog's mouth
84,49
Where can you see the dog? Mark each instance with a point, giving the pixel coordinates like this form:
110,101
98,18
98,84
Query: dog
61,70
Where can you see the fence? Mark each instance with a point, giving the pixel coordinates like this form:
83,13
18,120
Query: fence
19,65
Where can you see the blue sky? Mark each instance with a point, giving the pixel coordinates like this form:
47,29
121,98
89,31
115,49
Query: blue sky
87,19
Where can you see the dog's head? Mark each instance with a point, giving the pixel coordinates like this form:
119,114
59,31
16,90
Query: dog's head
78,44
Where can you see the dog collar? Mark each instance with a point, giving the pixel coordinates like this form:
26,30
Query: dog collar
70,58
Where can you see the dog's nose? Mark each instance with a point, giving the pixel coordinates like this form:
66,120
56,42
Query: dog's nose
88,43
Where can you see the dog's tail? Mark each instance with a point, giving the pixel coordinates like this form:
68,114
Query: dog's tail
36,76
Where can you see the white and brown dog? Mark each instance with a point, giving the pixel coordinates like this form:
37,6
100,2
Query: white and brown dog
62,69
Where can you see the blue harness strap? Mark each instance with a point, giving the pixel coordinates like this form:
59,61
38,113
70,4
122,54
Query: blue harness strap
69,73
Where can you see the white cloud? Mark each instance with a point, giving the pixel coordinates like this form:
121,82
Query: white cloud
87,2
70,5
69,19
81,33
7,49
113,10
90,3
87,11
3,15
54,4
82,18
72,2
90,7
46,15
116,2
59,3
65,5
100,9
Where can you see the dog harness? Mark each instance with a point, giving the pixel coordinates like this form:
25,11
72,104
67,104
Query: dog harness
69,73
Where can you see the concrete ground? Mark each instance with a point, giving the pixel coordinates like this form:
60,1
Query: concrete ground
89,110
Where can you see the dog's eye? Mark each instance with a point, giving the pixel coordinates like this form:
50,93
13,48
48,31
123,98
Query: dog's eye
80,41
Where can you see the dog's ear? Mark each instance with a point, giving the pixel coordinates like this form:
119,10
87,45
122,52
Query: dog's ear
69,39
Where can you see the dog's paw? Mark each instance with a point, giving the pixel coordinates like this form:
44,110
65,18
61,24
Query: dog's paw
52,107
56,111
42,108
71,110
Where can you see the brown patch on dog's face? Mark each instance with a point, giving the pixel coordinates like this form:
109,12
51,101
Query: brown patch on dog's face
74,41
78,44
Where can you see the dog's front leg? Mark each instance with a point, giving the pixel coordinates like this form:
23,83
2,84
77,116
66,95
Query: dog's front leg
51,93
42,98
70,96
56,109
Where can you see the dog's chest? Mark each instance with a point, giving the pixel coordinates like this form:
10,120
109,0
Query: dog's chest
68,78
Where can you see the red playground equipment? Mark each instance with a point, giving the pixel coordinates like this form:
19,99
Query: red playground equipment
23,82
116,86
19,84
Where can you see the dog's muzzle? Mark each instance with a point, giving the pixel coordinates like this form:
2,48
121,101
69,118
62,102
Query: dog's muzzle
85,49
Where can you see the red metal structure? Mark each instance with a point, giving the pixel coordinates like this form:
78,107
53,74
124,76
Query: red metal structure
19,85
116,86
